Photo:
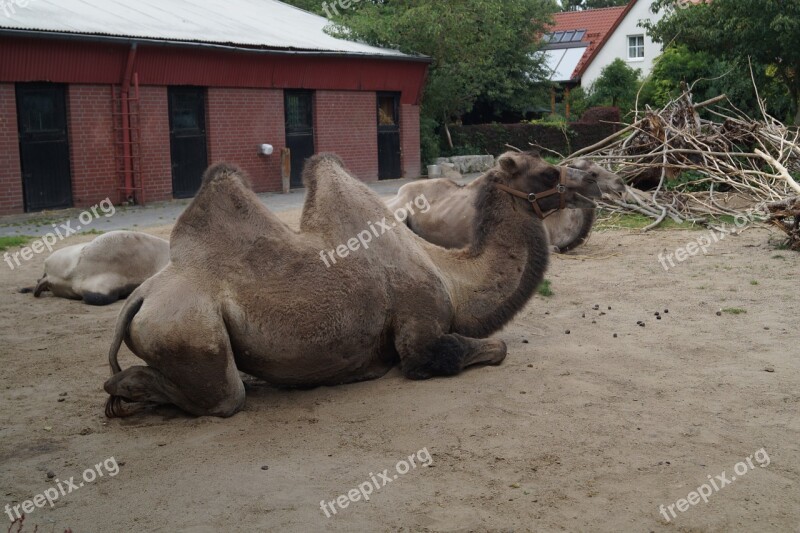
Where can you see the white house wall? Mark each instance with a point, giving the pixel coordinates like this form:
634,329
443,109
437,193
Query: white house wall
617,44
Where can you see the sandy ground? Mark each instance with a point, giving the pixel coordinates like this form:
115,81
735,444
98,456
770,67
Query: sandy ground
574,432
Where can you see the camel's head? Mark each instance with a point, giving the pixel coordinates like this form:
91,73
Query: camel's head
529,173
609,183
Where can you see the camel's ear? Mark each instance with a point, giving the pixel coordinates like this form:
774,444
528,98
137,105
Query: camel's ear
508,163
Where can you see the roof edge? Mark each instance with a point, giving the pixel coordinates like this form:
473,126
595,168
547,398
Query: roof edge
89,37
607,36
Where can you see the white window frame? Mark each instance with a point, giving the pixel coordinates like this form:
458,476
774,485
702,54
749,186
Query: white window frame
634,46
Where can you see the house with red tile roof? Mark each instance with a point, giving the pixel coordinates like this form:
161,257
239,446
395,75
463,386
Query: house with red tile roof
581,43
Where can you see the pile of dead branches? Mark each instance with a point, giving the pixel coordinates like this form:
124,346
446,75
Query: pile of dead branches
785,215
690,169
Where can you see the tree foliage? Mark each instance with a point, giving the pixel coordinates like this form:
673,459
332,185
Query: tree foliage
710,76
616,86
766,31
478,47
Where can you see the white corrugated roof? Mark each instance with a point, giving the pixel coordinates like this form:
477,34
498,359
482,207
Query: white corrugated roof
256,23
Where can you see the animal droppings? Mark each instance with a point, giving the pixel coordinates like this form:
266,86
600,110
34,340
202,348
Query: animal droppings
567,332
615,335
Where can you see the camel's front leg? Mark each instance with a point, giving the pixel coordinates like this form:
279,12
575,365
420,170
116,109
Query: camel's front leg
448,355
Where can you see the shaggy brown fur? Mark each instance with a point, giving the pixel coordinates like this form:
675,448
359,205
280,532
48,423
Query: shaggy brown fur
243,292
449,220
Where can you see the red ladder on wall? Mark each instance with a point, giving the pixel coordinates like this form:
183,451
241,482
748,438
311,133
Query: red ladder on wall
133,158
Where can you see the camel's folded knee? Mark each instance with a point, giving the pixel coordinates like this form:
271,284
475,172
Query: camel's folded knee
451,354
41,286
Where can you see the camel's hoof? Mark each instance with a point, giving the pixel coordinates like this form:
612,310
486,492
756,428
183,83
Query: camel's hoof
115,407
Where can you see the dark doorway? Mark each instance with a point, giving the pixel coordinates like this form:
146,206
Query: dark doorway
299,112
43,146
187,139
388,136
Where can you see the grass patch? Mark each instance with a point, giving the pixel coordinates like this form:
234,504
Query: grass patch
778,256
734,311
753,282
13,241
636,221
544,288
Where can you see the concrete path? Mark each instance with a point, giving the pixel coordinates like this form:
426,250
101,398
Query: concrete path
155,214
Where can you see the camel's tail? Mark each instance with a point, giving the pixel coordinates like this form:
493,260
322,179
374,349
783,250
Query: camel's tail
115,405
129,310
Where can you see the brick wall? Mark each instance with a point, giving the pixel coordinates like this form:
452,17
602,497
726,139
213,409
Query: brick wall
238,121
346,124
10,172
154,128
90,130
409,141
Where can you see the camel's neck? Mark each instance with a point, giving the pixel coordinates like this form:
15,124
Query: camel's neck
493,279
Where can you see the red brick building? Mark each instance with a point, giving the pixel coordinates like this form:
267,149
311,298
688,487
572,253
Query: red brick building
100,98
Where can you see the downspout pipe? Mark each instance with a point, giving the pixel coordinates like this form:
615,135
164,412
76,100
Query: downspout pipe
127,153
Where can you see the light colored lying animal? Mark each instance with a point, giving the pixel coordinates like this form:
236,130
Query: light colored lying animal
105,269
448,222
244,292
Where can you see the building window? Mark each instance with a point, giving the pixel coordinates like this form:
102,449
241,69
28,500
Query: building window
635,46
